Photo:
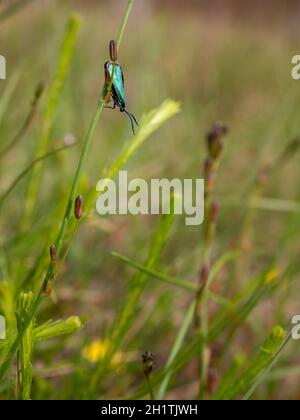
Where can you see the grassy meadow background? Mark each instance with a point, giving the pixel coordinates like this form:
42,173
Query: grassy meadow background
229,64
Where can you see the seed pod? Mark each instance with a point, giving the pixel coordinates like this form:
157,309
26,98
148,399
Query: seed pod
113,50
53,254
78,208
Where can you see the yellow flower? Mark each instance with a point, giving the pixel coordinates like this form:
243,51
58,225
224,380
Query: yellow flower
272,275
97,351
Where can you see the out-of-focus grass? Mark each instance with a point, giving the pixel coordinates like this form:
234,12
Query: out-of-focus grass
217,69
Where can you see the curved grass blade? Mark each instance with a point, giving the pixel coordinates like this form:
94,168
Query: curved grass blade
160,276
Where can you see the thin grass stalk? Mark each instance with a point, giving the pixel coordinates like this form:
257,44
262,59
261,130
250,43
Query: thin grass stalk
214,146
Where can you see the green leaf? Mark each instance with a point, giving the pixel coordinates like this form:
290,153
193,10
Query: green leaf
24,304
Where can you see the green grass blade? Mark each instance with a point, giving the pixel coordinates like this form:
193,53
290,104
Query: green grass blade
160,276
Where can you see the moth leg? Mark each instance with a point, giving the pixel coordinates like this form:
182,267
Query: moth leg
110,107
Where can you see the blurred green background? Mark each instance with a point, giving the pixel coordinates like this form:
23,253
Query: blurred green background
228,61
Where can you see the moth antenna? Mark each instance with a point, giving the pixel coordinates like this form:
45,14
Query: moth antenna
132,120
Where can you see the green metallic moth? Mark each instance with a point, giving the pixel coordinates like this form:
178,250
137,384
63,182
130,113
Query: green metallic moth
118,90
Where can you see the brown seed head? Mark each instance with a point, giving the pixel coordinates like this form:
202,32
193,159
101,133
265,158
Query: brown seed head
53,254
113,50
78,208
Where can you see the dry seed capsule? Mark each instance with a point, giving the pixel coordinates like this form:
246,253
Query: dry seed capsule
78,208
113,50
53,254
